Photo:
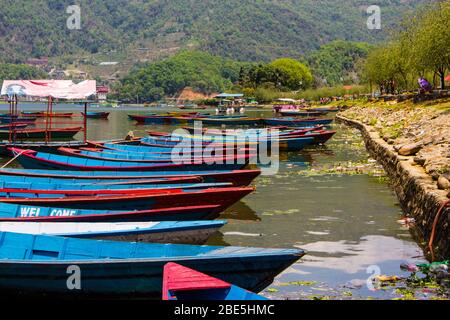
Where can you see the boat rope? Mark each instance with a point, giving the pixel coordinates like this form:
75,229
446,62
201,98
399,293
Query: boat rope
15,157
433,229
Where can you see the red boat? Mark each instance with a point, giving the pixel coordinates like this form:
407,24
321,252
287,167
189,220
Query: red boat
127,199
41,114
23,134
182,283
14,125
238,178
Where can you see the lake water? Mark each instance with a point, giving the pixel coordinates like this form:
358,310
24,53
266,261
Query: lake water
346,222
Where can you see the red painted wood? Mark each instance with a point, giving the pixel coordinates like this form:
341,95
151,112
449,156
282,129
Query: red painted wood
179,278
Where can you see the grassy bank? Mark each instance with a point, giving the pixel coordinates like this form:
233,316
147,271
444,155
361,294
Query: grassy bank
420,129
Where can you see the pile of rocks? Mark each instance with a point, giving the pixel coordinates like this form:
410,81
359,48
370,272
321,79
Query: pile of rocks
419,132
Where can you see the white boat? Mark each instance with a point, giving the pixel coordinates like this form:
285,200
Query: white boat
192,232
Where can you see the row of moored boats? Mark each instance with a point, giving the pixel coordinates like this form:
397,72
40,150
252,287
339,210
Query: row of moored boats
129,218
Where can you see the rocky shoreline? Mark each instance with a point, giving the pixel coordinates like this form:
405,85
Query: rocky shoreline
412,143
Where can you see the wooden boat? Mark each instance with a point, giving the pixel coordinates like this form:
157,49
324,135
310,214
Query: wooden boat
96,115
57,133
237,177
293,122
230,121
131,188
289,141
164,150
139,158
4,178
16,212
29,263
30,159
306,113
41,114
321,137
294,144
28,120
126,199
159,119
193,232
186,143
13,126
182,283
324,109
283,130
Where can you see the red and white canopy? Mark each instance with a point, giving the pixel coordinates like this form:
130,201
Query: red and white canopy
61,89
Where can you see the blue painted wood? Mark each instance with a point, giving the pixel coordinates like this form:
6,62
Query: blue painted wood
237,177
80,186
42,160
97,115
36,264
18,212
292,122
233,293
136,148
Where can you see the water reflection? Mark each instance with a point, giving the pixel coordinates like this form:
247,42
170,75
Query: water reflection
240,211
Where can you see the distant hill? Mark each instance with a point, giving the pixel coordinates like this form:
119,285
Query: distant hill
240,29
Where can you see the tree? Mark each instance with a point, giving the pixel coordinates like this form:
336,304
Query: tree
291,74
335,61
428,38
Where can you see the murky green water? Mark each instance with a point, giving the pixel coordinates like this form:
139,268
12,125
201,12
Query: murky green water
348,223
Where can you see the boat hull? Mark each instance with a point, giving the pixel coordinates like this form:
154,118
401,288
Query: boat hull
97,115
199,236
192,232
22,134
236,177
31,263
302,113
26,213
224,197
29,160
297,123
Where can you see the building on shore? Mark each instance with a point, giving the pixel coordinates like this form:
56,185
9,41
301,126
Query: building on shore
102,93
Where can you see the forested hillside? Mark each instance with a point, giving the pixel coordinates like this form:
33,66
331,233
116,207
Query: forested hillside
243,30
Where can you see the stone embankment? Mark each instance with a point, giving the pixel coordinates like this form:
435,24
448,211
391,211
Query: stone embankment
412,143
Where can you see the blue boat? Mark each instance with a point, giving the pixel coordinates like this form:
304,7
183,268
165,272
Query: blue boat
37,264
237,177
234,121
160,119
189,232
197,157
17,212
17,120
136,148
132,187
293,122
30,159
96,115
182,283
294,143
